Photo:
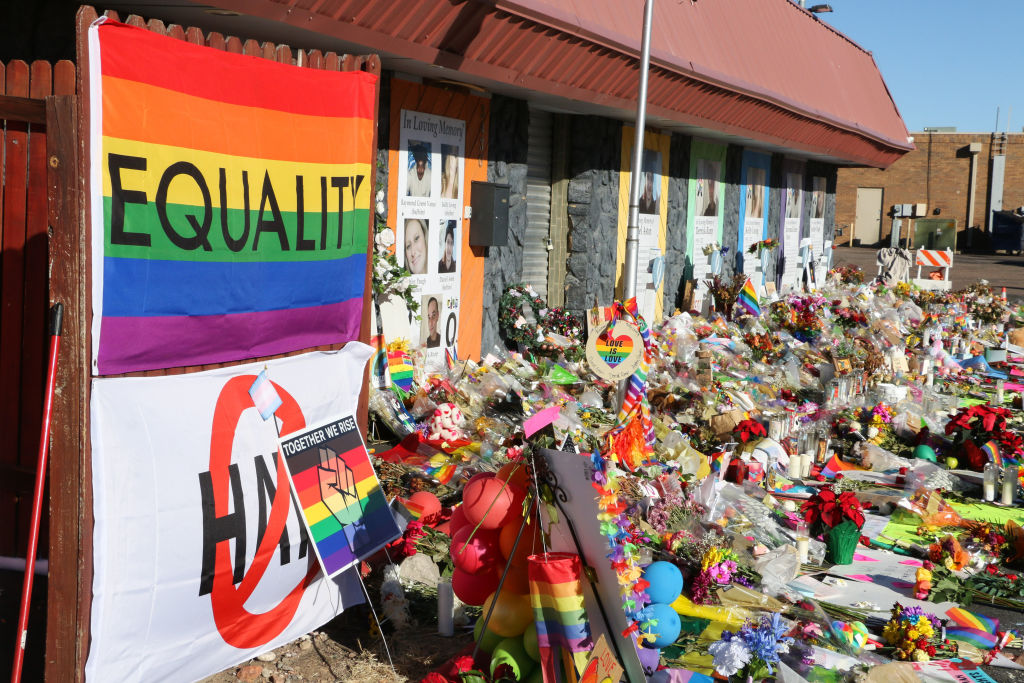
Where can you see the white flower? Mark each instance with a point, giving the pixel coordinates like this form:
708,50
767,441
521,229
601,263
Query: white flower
385,238
729,656
380,195
381,208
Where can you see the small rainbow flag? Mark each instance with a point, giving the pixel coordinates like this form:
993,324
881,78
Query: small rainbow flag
556,593
401,368
976,637
230,209
966,619
991,449
835,466
344,509
747,298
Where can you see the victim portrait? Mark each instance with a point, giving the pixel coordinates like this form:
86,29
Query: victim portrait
416,246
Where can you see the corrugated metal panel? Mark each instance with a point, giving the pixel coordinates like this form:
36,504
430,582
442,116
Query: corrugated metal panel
538,201
761,69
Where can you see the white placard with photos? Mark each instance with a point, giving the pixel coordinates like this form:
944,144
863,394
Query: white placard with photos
429,227
791,230
706,216
753,221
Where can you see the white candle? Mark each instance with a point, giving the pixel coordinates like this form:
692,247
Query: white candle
805,464
990,491
1008,488
999,392
803,543
930,379
794,469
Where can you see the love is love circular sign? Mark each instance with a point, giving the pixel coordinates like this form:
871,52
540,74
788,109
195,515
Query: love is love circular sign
615,350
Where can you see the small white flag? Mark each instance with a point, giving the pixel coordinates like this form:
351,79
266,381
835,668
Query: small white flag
264,396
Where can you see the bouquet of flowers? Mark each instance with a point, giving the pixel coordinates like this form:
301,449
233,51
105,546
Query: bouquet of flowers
525,319
764,245
746,430
765,347
752,652
724,291
848,274
914,635
839,518
979,424
949,553
849,318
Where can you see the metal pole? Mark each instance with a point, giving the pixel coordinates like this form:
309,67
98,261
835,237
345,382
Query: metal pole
633,223
56,322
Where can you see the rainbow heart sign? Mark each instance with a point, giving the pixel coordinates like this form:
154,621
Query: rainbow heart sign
614,350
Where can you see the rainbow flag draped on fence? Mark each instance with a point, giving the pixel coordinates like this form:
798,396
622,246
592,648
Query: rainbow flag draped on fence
230,202
556,593
747,298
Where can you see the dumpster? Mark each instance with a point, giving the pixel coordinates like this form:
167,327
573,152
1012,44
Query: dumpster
1007,231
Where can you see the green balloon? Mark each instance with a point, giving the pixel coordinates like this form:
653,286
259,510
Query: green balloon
530,642
510,651
490,639
924,452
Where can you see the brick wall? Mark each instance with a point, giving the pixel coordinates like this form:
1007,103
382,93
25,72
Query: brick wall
937,173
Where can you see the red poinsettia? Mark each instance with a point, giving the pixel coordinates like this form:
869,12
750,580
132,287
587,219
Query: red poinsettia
747,429
825,509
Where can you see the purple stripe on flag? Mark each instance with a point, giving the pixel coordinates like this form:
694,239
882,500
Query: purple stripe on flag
143,343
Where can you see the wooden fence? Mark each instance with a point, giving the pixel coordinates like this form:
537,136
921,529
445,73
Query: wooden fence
70,584
23,286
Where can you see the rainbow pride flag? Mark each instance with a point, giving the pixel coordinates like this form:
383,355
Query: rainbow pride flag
983,640
556,593
230,202
991,449
344,509
747,298
401,368
835,466
967,619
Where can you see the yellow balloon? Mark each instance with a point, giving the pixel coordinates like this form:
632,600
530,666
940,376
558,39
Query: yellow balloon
512,614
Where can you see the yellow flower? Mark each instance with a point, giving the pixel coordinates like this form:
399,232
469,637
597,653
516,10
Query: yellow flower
912,634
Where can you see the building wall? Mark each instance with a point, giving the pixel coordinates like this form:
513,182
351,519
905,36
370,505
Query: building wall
506,164
937,174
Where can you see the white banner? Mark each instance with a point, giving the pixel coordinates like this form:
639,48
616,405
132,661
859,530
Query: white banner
200,560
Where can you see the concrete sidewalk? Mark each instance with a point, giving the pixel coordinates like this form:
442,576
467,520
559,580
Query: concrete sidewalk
998,269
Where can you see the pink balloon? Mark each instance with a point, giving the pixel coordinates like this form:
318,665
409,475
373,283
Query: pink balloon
476,554
487,502
474,589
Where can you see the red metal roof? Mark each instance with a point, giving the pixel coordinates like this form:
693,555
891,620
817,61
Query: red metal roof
764,70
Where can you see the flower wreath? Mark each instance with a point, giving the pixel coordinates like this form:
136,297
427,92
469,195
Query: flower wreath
513,317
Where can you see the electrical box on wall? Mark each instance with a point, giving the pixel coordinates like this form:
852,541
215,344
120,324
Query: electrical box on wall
920,210
488,226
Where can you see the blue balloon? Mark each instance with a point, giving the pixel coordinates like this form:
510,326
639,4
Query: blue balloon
668,626
666,581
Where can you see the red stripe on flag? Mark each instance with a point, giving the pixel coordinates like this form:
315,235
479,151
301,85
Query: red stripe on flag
140,55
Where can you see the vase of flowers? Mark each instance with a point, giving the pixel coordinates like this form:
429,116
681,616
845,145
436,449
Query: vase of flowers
837,517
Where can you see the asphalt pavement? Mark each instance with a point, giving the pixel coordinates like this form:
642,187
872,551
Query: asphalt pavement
1000,270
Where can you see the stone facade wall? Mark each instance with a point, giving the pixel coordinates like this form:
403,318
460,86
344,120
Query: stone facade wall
506,163
731,207
676,266
595,148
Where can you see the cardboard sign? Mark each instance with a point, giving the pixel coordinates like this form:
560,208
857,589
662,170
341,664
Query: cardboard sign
602,667
614,351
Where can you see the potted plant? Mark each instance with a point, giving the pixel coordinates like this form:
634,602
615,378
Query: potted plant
837,517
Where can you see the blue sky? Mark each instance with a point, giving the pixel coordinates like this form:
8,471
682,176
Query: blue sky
946,62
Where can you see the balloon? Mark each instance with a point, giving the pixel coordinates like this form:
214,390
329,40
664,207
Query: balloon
530,642
668,626
457,521
952,462
487,502
515,473
474,555
428,503
510,652
512,613
666,581
489,640
473,589
924,452
517,580
529,544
